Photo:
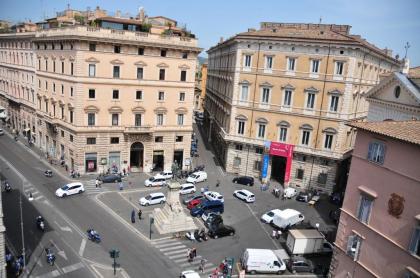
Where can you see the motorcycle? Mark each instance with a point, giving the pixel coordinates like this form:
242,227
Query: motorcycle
93,236
48,173
50,256
7,187
202,235
191,235
40,223
197,235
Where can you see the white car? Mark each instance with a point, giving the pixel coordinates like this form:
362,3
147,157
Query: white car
70,189
165,174
189,274
244,195
197,177
153,199
214,196
187,188
268,216
153,181
290,192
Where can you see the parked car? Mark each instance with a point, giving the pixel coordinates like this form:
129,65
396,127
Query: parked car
287,218
187,188
70,189
189,198
290,192
208,214
165,174
221,230
189,274
195,202
337,198
1,131
304,197
244,195
153,199
299,264
206,205
245,180
262,261
268,216
197,177
214,196
152,181
110,178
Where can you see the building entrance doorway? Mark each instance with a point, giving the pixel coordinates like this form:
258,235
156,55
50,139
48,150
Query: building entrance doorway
136,157
158,161
178,158
278,168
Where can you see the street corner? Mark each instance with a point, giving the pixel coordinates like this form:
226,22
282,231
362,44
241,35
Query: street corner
108,271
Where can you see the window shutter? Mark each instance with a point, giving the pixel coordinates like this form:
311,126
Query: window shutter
382,153
370,151
350,244
414,240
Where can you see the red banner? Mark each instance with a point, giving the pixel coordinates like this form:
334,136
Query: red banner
284,150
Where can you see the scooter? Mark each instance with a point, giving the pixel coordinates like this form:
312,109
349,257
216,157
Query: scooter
7,187
192,235
202,235
50,256
40,223
93,236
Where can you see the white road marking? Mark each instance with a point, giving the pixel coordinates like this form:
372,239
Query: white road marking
178,255
82,247
38,197
167,244
72,267
172,248
175,252
65,228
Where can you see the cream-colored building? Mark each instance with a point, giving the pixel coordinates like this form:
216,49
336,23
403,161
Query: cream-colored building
101,98
292,87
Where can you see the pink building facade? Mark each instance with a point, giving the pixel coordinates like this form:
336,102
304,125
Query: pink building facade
379,229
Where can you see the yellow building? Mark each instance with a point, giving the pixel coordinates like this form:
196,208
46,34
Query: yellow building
101,98
294,86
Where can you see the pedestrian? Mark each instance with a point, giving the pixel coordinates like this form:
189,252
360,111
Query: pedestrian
124,171
121,186
189,254
202,264
278,234
139,213
217,183
97,183
274,233
133,216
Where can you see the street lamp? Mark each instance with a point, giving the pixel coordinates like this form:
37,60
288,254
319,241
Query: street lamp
21,225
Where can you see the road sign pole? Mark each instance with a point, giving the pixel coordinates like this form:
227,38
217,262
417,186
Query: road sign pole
152,220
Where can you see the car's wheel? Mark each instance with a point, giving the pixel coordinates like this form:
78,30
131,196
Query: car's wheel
294,271
115,181
253,272
231,233
236,182
248,184
216,236
147,204
80,191
161,202
64,195
280,272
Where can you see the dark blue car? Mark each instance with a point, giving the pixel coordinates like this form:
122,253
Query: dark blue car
210,206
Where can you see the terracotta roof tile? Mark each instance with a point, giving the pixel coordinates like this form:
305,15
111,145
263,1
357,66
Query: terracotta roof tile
408,131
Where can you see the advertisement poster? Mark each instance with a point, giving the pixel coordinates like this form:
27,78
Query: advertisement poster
264,169
284,150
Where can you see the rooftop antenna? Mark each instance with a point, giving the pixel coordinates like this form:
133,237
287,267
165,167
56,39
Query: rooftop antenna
407,46
320,20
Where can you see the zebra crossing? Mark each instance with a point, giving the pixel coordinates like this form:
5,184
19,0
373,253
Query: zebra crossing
177,252
31,191
90,187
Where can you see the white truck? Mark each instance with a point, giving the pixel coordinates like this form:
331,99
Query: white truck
308,241
262,261
287,218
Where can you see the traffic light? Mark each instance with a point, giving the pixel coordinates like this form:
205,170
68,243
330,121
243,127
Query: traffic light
114,253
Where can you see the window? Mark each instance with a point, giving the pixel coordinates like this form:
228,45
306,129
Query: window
365,207
158,139
62,67
139,73
115,140
71,68
116,72
180,120
397,91
161,74
91,119
181,96
115,94
61,46
241,127
46,65
62,89
91,140
183,75
268,62
339,66
247,61
71,92
261,130
161,96
353,246
239,147
137,119
244,92
414,247
140,51
287,101
92,47
71,138
334,103
117,49
310,101
163,53
283,134
376,152
91,93
305,137
236,162
159,119
257,165
328,141
54,87
46,85
291,64
39,64
71,117
53,66
92,70
179,138
300,174
265,98
62,112
139,95
184,55
322,178
314,66
115,118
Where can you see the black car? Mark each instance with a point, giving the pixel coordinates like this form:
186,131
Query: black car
221,230
110,178
335,215
300,264
245,180
304,197
187,199
337,198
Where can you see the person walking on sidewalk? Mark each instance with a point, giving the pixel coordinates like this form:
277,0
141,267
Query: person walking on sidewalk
97,183
139,214
202,264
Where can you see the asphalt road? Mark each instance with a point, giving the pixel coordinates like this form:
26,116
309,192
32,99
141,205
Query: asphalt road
67,222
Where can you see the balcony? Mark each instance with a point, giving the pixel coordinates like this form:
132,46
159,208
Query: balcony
138,129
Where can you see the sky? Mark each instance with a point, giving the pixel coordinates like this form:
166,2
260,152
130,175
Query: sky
385,23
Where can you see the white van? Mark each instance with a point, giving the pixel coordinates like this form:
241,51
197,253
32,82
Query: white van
197,177
262,261
287,218
187,188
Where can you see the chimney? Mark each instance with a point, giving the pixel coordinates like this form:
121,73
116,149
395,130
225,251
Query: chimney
221,40
118,13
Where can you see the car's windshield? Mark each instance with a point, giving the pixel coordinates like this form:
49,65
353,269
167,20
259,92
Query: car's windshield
66,187
193,176
148,197
152,179
270,213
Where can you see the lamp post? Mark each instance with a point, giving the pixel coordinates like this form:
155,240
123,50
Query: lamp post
21,225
